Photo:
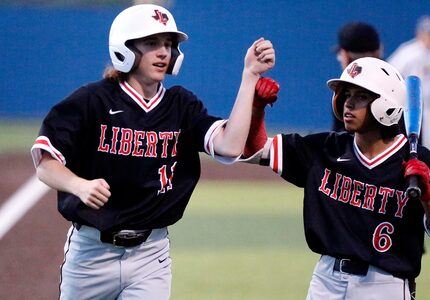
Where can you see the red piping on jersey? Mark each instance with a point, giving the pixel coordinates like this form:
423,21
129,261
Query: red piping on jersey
138,98
275,154
399,143
41,141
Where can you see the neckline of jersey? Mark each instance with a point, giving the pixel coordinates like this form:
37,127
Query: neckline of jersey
138,98
383,156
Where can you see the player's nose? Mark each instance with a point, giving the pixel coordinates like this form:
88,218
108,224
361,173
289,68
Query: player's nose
163,51
349,103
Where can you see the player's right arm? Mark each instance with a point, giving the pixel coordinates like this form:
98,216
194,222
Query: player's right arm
94,193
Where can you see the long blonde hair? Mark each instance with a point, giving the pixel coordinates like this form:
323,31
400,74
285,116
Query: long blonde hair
113,74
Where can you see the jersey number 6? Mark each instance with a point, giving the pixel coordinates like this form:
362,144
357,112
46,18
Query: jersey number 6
381,237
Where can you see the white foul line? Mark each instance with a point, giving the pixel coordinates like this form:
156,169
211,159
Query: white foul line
17,205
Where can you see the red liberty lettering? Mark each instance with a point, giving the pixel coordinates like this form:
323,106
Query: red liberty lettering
323,187
115,131
345,191
165,136
358,187
336,186
402,199
138,135
126,138
151,144
102,146
369,197
174,151
385,192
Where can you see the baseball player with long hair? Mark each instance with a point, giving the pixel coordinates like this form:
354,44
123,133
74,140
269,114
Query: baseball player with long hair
123,154
357,214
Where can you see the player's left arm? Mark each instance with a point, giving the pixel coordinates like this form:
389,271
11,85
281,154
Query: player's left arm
266,93
415,167
230,141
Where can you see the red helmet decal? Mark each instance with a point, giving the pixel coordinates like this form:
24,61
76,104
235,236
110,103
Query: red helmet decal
160,17
354,70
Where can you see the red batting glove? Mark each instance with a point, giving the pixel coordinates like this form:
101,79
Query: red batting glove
415,167
266,92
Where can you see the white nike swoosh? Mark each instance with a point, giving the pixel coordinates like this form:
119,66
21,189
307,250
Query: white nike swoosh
340,159
115,112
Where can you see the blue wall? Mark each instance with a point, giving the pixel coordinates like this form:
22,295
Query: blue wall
47,53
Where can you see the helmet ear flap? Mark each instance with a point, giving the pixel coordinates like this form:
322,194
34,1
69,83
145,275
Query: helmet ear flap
122,58
175,61
386,112
137,54
338,101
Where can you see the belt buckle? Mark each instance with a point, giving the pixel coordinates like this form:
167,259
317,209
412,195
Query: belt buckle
341,263
120,238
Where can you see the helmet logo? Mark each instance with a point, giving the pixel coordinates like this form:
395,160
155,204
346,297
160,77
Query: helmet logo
160,17
354,70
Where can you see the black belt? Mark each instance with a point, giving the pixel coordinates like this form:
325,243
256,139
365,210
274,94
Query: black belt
123,238
351,266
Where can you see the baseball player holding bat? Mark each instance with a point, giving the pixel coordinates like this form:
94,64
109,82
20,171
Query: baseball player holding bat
123,154
357,214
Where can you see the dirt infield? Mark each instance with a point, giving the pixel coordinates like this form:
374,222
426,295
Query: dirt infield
31,253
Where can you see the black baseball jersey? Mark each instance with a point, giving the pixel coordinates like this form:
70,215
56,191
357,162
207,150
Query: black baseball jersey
146,150
355,207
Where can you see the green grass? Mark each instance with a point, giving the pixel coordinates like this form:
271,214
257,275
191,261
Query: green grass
241,241
17,135
244,240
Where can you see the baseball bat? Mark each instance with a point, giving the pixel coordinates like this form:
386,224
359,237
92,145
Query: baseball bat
413,117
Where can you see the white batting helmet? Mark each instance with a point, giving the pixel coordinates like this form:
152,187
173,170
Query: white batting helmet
378,77
140,21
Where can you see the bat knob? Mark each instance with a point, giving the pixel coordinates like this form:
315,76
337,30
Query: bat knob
413,192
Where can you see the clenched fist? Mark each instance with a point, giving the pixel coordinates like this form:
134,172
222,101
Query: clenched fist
266,92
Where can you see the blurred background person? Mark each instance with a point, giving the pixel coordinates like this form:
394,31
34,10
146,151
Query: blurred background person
413,58
355,40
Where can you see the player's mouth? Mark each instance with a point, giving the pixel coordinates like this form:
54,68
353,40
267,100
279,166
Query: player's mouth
348,116
161,66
